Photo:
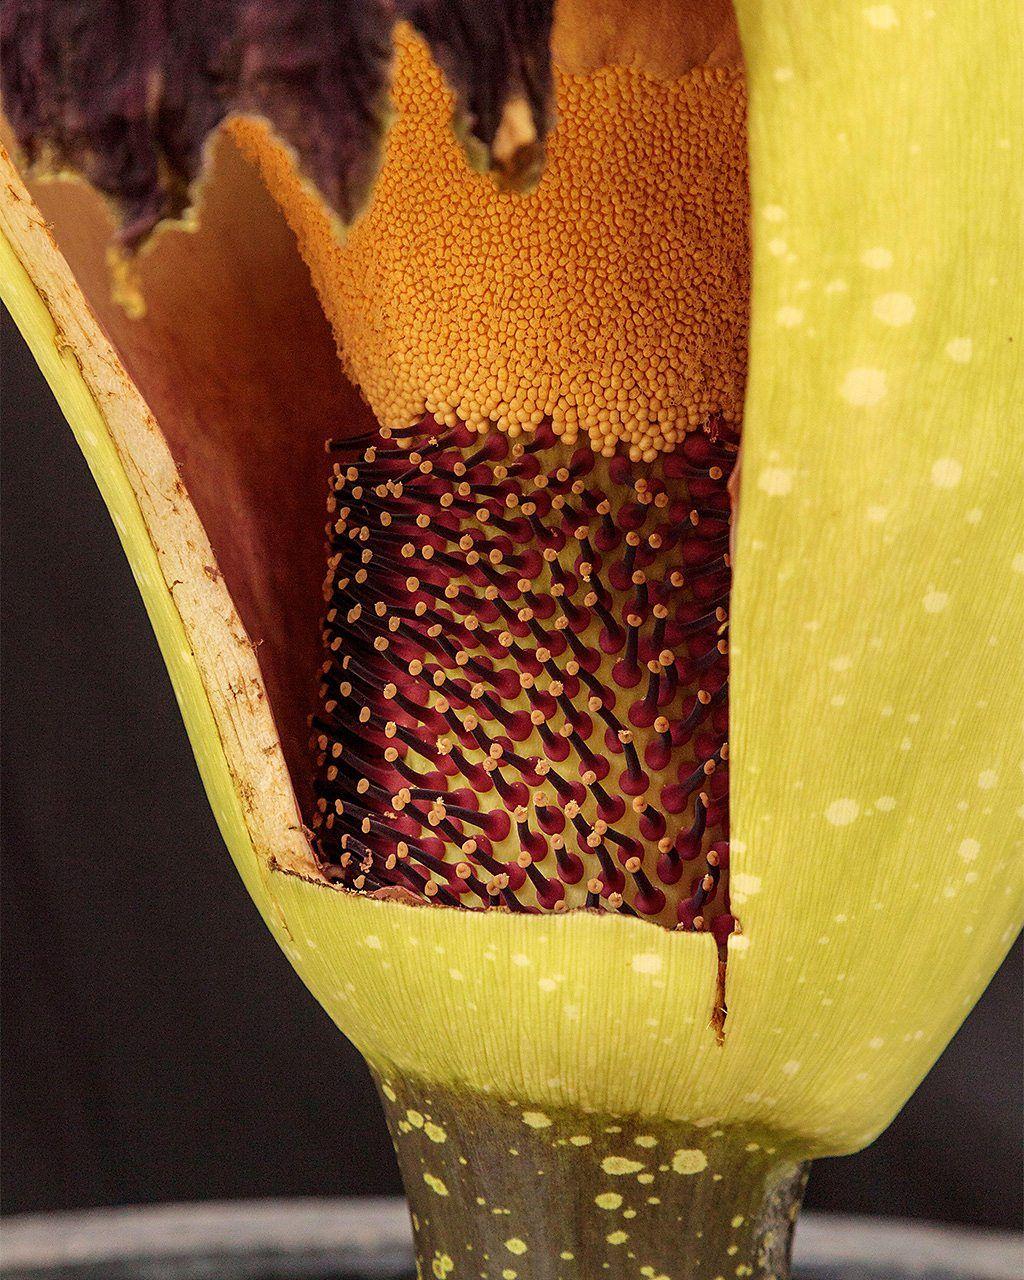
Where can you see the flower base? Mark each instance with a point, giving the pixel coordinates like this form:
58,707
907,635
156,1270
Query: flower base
503,1190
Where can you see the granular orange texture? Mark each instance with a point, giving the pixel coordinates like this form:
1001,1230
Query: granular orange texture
612,300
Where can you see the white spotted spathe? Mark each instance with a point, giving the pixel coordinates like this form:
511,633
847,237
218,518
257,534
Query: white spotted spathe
883,17
960,350
743,885
841,813
863,387
894,308
947,473
935,601
877,258
777,481
789,317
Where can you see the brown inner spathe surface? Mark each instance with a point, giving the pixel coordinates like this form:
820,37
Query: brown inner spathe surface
238,364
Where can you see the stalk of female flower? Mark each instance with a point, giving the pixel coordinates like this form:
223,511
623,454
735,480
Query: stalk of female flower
649,832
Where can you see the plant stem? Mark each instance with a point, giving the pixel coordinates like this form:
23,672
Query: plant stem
503,1190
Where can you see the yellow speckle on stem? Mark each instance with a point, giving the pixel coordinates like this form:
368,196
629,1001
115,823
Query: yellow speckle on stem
536,1120
689,1161
619,1165
608,1200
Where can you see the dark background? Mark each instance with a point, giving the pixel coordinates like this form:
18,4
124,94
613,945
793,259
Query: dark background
157,1045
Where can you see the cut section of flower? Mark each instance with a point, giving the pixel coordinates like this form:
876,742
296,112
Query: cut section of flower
525,697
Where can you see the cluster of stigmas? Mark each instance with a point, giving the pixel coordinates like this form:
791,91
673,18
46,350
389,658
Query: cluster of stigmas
610,303
524,702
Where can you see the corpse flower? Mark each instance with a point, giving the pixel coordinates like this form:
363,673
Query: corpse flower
646,825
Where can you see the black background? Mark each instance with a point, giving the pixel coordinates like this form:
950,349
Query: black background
157,1045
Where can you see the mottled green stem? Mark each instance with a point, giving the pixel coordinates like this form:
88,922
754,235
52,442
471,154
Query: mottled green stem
503,1190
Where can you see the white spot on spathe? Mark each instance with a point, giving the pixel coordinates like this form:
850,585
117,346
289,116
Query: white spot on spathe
789,317
547,984
947,473
894,308
773,213
875,1042
969,849
960,350
878,515
843,662
743,885
777,246
456,975
935,601
523,961
883,17
776,481
863,387
783,74
836,286
791,1067
1017,563
840,813
373,942
987,779
647,962
885,803
877,258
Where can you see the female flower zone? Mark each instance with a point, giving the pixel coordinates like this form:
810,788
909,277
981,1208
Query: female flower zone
649,837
